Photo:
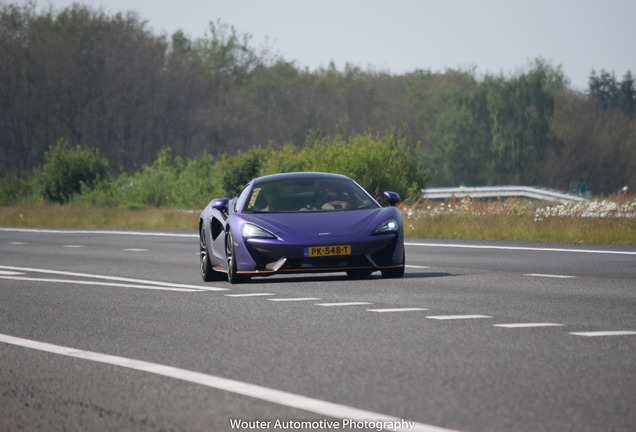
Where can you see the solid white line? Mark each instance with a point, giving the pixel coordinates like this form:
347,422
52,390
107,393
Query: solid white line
80,231
279,397
388,310
113,278
343,304
457,317
293,299
605,333
249,295
549,275
451,245
96,283
527,325
10,273
519,248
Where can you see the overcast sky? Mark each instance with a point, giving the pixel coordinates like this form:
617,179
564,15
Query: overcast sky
398,36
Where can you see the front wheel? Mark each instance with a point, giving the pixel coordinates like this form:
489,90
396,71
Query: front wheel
395,272
359,273
207,272
232,275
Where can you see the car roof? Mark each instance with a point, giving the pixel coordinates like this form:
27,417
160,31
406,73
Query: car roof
299,175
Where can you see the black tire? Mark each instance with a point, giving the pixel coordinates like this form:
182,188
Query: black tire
359,274
395,272
232,275
208,274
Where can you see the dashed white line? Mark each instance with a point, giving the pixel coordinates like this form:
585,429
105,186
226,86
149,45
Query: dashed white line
279,397
605,333
390,310
17,243
73,246
549,275
136,250
343,304
417,266
457,317
249,295
528,325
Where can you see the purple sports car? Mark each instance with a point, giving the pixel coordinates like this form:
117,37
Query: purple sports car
298,223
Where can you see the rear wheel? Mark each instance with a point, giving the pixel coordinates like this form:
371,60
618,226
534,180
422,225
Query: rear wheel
232,275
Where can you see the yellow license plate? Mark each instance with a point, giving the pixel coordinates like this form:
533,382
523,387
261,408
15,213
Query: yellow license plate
326,251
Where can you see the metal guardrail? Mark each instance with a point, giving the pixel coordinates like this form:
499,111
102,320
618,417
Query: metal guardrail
501,191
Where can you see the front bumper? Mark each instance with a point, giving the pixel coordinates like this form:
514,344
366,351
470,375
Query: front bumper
269,256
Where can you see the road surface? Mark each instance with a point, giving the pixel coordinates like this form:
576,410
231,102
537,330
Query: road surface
109,330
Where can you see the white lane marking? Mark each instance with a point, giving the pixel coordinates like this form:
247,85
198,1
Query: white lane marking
343,304
267,394
417,266
10,273
184,235
549,275
456,317
79,231
17,243
72,246
519,248
113,278
605,333
293,299
249,295
136,250
389,310
96,283
527,325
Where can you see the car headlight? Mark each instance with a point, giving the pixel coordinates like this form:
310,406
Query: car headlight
252,231
388,226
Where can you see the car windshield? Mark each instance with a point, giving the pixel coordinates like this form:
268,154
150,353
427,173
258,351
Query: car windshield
308,194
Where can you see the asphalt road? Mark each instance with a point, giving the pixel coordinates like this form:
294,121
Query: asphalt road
116,331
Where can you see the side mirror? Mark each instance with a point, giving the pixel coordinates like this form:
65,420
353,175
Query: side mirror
392,198
220,204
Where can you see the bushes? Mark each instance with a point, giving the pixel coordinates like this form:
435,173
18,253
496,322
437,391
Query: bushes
66,171
14,190
80,176
168,182
377,163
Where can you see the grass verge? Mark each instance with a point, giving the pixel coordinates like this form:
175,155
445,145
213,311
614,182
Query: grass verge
524,228
94,217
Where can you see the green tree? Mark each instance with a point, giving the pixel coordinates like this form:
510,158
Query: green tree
520,113
462,140
606,90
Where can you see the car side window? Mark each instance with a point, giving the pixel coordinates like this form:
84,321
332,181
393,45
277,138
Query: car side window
240,202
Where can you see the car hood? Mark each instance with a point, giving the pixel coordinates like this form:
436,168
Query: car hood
312,224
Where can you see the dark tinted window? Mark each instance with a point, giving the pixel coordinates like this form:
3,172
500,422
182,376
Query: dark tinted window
308,194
